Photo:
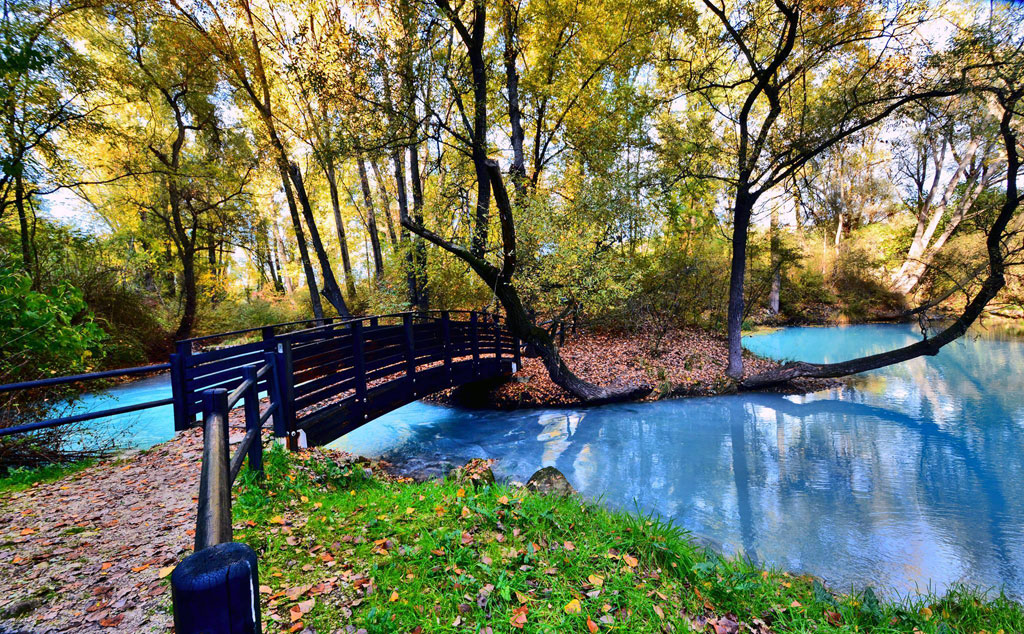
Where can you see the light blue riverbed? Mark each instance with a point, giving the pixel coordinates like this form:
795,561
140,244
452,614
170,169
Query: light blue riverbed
912,476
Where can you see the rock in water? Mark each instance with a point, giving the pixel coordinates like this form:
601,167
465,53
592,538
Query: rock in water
550,480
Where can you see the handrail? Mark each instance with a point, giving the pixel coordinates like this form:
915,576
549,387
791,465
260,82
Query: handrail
78,418
412,313
213,521
91,376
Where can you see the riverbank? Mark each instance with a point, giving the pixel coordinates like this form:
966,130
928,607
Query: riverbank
343,541
677,362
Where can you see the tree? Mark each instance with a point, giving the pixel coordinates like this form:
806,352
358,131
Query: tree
499,277
43,91
954,156
789,80
242,53
990,56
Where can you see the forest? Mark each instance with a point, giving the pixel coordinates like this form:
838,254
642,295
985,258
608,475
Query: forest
272,231
183,167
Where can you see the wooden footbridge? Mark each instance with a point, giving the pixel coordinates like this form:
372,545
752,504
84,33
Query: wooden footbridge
331,378
316,381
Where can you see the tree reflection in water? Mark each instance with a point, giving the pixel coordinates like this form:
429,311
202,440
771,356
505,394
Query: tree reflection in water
907,477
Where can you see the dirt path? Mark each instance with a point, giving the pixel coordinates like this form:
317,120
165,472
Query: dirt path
93,551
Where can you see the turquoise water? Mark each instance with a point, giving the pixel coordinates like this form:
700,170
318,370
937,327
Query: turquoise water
905,479
141,429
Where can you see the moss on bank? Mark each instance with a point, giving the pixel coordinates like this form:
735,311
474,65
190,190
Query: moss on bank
342,543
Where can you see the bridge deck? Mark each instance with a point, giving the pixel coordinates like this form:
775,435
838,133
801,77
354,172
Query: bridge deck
333,378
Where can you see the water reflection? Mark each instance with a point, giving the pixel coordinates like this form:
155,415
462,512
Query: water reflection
904,479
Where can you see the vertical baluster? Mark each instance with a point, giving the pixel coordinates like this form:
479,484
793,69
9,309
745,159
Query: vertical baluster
274,392
252,418
497,340
474,337
359,367
446,343
410,352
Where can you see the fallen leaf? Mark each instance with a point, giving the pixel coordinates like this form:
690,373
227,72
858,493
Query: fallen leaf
591,625
166,570
596,580
630,560
573,607
518,619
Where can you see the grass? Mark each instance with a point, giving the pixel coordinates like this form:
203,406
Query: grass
22,478
338,546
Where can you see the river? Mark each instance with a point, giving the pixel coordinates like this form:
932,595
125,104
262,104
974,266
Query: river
904,479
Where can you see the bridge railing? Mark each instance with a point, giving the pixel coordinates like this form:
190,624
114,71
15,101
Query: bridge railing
85,416
337,366
336,377
216,589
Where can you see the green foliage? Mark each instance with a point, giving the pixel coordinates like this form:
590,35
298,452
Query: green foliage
259,309
44,333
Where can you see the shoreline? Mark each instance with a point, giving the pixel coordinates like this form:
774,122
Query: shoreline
678,363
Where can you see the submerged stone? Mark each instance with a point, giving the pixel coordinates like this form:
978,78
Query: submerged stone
550,480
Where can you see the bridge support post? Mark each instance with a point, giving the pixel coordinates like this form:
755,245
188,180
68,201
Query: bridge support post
446,343
182,351
410,353
284,425
474,335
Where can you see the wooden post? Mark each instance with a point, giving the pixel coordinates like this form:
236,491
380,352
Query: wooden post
285,376
359,367
474,335
178,392
217,590
446,342
273,391
213,524
410,352
252,419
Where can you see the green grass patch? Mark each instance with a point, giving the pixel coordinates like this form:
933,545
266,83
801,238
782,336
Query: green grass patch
338,546
22,478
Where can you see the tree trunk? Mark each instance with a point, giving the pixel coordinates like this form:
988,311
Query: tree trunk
734,321
27,250
929,216
331,289
419,245
282,257
517,171
517,319
775,262
403,214
385,204
188,313
346,262
371,221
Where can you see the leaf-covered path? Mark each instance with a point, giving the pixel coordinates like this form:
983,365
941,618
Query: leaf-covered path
92,551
